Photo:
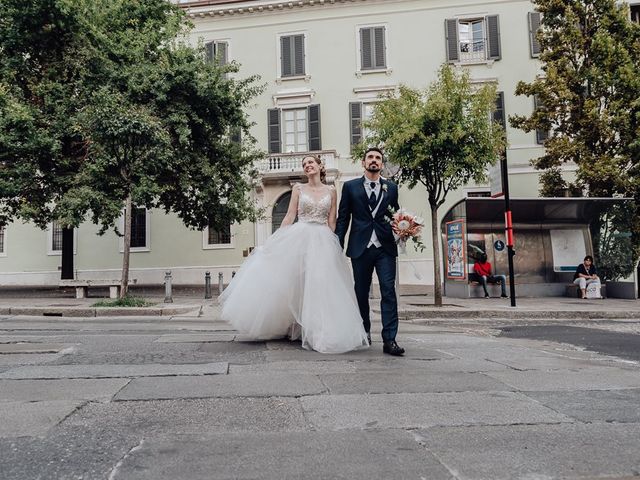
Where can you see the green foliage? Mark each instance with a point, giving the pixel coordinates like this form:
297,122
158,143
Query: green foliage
441,137
128,301
101,100
589,97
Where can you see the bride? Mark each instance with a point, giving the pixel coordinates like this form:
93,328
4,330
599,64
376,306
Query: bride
299,284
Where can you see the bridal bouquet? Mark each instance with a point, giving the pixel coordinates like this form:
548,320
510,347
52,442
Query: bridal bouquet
407,226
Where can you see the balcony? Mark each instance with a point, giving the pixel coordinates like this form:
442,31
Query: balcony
289,165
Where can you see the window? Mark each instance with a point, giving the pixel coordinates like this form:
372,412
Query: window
473,40
139,227
56,237
294,130
292,56
280,211
541,135
635,13
217,51
373,54
2,250
219,237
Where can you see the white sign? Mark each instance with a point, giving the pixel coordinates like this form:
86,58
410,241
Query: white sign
495,179
568,249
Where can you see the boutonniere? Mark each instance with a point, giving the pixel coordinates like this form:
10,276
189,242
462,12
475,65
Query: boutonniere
384,187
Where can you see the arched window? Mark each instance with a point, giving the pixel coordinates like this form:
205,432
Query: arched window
280,211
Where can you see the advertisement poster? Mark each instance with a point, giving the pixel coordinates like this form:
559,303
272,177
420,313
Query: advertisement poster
456,253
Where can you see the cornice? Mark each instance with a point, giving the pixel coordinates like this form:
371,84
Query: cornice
211,8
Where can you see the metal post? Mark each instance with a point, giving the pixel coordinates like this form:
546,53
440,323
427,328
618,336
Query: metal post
220,283
207,285
508,228
167,287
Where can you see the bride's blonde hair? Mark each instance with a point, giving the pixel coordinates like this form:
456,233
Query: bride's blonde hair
318,160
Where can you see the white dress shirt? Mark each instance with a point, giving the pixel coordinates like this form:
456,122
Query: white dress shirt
378,191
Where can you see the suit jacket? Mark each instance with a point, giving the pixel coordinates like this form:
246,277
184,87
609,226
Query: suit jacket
354,209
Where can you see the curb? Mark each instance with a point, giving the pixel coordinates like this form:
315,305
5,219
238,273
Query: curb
98,312
409,315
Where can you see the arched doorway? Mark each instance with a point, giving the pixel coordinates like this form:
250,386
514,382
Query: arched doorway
280,211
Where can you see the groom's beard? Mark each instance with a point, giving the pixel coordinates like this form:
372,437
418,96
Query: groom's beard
373,168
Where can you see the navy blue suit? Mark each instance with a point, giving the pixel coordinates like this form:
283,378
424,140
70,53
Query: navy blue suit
354,210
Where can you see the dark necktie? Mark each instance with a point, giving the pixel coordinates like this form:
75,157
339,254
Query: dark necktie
372,198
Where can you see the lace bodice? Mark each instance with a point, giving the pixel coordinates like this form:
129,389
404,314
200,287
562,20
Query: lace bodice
312,210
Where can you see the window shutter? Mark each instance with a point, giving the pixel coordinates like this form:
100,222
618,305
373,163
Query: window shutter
273,115
355,120
380,48
298,49
453,40
498,114
314,128
286,56
210,51
366,48
534,26
541,135
221,53
493,36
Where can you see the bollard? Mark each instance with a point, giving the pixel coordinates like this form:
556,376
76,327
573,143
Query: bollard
207,285
220,283
167,287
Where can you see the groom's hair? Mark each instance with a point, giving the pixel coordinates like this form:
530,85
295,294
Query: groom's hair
373,149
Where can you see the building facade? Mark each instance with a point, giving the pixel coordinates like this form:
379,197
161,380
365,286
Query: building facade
324,64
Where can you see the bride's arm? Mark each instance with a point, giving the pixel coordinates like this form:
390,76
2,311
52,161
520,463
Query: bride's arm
293,206
332,211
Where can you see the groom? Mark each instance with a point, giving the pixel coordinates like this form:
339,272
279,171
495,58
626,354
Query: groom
371,243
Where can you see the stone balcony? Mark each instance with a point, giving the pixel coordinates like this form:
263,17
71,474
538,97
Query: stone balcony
280,167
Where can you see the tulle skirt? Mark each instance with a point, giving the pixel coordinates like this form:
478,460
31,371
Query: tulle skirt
298,285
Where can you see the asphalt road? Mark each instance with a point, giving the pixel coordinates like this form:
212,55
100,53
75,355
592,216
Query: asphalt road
619,344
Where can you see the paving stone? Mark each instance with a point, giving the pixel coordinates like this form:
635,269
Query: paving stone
595,378
419,410
372,353
65,454
193,416
64,389
410,381
18,419
594,406
566,451
13,348
28,358
249,385
196,338
112,371
296,366
306,455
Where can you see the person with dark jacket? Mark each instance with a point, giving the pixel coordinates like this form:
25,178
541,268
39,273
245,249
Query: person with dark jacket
586,274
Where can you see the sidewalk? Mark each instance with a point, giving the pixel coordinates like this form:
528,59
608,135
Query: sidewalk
413,308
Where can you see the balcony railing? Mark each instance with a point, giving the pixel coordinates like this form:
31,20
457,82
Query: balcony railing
292,162
473,51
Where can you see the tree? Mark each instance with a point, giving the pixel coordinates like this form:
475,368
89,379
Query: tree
588,97
154,124
42,72
441,138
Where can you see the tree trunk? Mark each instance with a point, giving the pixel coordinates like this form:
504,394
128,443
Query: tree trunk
67,254
435,240
124,283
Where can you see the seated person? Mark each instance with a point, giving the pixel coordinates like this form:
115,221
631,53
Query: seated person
586,274
483,269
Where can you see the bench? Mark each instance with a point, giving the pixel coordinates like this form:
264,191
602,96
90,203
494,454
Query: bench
475,289
82,286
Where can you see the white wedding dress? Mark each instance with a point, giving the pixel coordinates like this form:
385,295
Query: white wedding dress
298,285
